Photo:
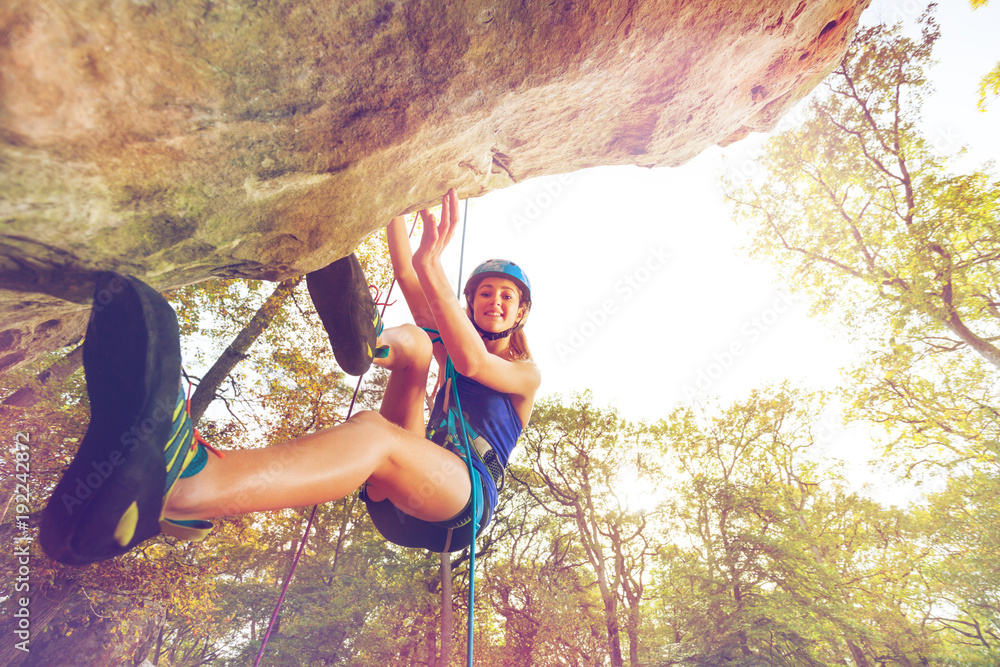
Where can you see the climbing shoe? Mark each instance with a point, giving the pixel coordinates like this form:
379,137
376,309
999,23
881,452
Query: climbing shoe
140,436
345,306
185,455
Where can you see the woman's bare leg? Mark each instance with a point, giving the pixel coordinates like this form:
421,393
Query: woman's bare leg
420,478
409,360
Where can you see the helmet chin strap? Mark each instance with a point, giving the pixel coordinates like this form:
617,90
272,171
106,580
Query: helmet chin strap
489,335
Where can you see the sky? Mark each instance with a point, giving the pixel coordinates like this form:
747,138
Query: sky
641,292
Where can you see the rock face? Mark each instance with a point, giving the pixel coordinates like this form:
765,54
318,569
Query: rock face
182,140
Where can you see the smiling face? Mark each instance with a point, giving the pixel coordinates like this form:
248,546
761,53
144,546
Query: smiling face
496,304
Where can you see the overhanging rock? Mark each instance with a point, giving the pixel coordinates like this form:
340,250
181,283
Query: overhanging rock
181,140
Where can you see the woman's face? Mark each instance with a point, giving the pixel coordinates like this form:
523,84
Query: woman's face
496,305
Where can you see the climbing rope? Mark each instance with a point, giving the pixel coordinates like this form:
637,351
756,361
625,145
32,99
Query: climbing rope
477,497
451,374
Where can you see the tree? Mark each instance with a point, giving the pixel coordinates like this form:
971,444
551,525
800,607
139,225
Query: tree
578,460
962,524
858,210
237,350
537,582
856,198
773,561
58,372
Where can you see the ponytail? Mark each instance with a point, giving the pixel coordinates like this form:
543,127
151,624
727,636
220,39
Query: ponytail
519,345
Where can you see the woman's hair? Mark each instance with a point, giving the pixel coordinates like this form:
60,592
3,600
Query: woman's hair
519,344
518,341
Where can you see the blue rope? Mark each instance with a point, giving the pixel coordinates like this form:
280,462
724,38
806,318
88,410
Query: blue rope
477,495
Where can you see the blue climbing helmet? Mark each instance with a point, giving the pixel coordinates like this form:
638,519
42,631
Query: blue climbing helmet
504,269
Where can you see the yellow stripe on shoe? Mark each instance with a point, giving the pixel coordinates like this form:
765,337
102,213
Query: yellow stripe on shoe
125,530
181,449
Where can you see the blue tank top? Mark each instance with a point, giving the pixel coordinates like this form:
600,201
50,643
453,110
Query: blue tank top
491,414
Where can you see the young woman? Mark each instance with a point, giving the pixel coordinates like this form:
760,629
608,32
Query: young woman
140,469
495,377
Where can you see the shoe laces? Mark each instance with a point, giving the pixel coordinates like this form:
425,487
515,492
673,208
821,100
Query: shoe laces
378,295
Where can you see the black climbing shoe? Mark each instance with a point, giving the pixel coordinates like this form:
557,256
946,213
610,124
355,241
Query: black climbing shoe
345,306
140,437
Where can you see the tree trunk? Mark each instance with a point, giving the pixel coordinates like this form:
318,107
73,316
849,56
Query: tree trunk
614,632
237,350
632,630
159,646
115,631
980,346
46,600
859,656
447,611
25,397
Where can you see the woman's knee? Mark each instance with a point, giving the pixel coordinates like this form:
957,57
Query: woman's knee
370,418
381,434
414,344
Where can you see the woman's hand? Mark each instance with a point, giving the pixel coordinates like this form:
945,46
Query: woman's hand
437,236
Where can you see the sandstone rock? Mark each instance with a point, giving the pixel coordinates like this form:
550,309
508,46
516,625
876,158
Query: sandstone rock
182,140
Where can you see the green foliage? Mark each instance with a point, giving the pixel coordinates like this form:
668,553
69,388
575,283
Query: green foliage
990,84
770,549
859,212
580,459
962,526
536,581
